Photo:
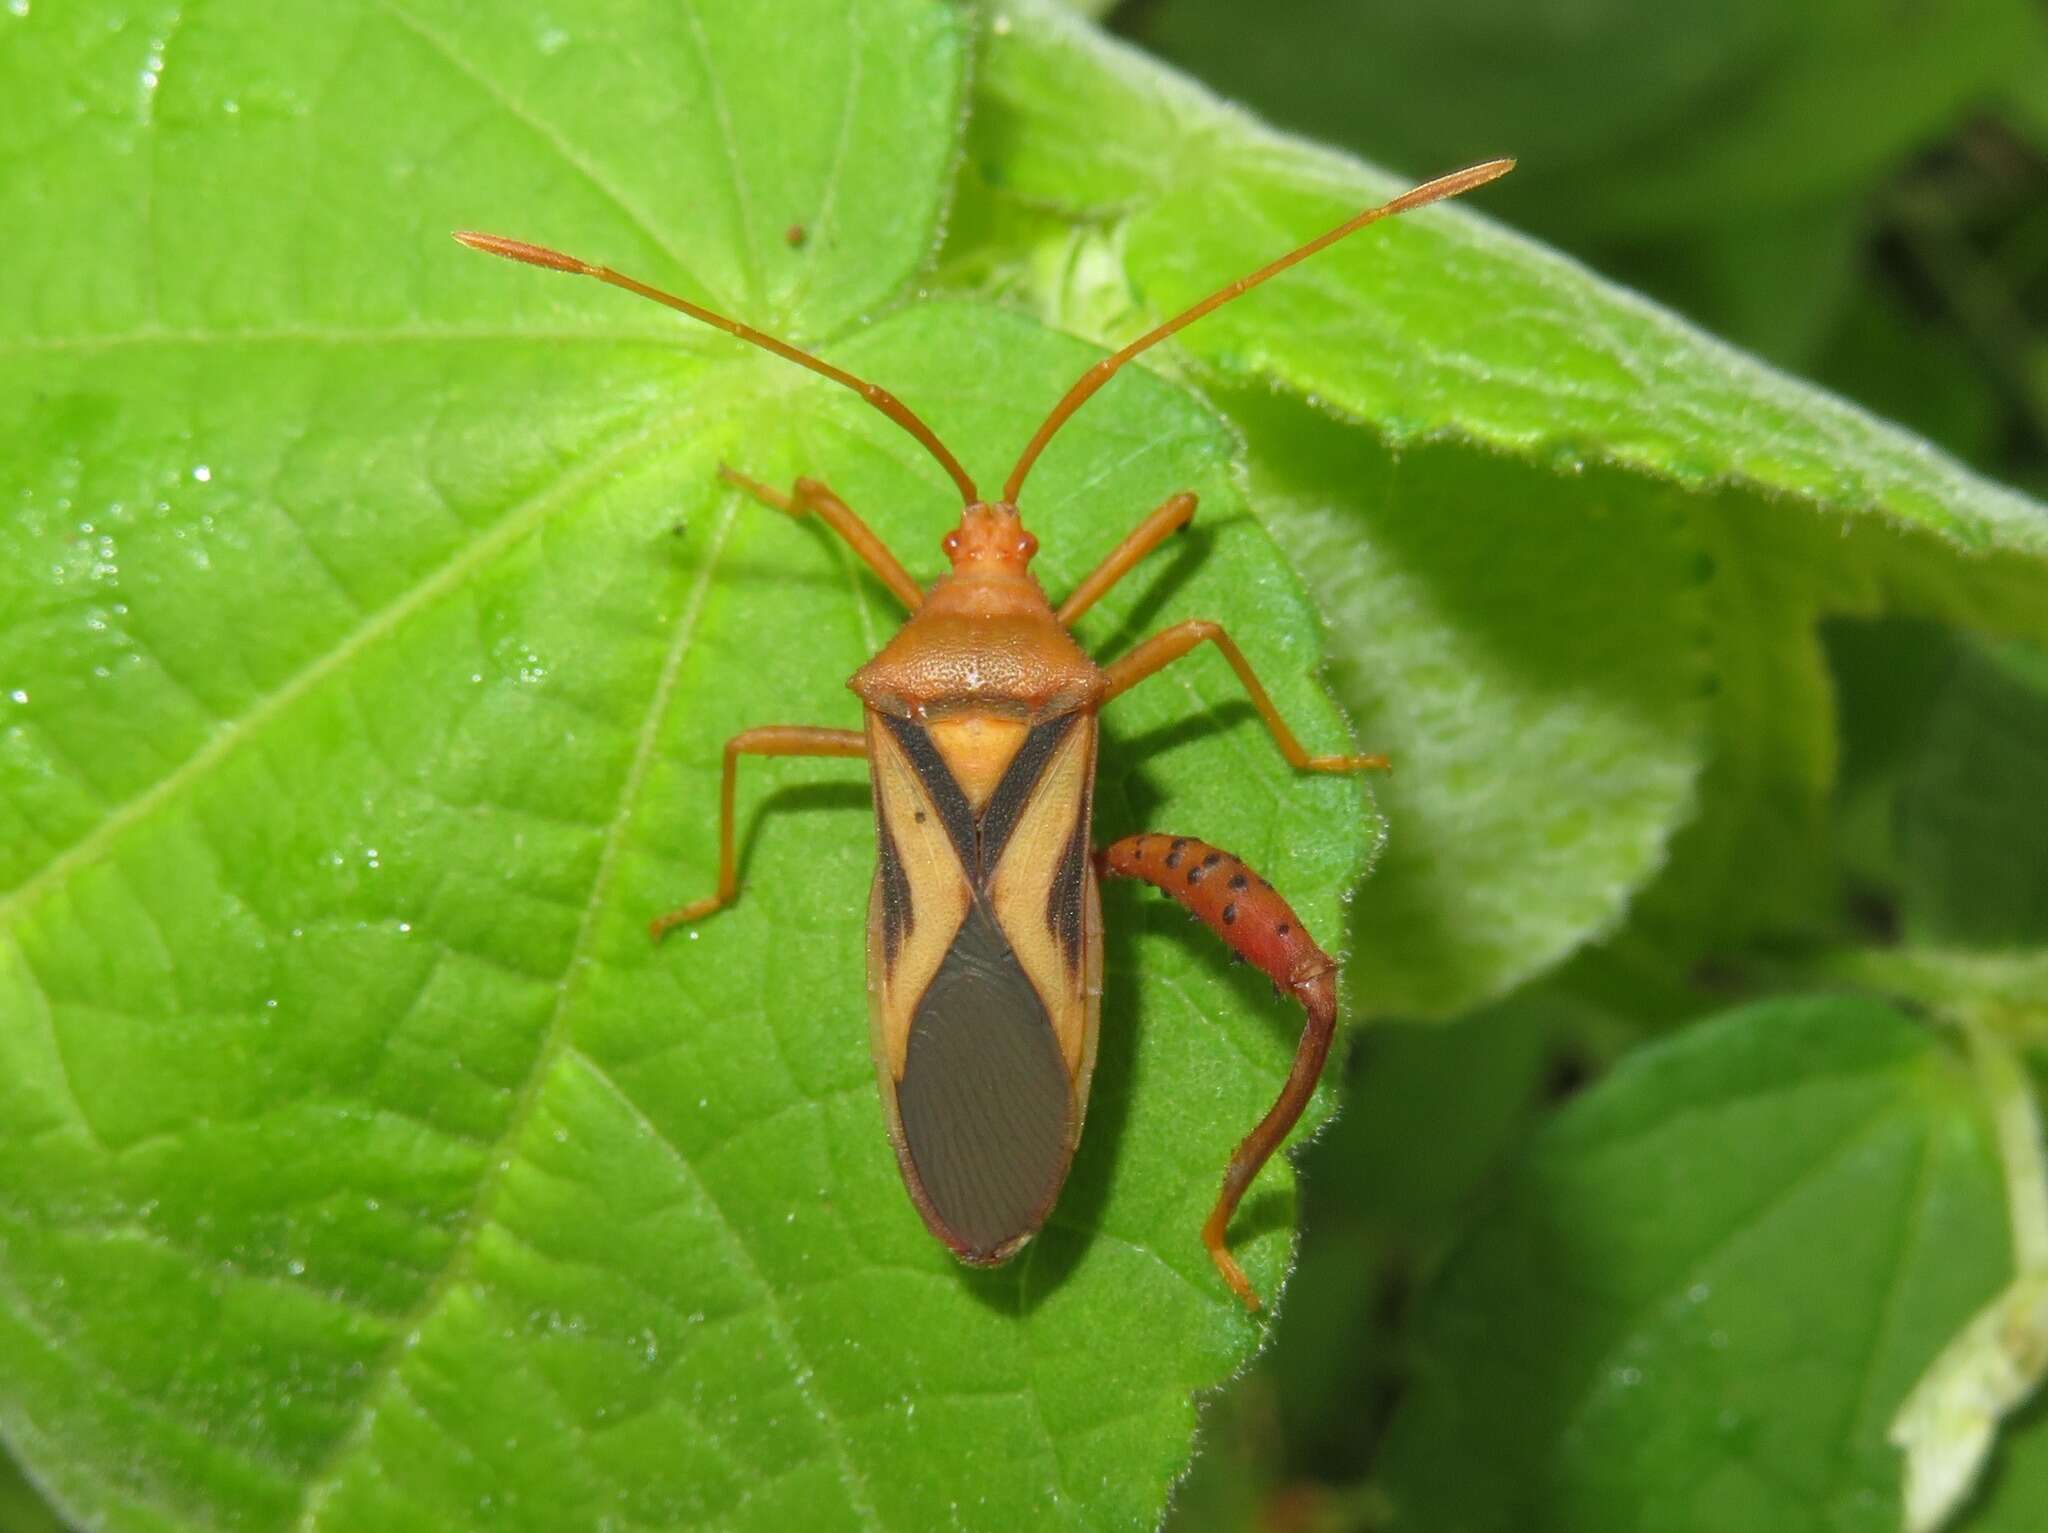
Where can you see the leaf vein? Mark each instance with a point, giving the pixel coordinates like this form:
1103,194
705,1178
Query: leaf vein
380,625
801,1372
548,134
554,1044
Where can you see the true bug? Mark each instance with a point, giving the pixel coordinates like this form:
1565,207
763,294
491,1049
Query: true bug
984,923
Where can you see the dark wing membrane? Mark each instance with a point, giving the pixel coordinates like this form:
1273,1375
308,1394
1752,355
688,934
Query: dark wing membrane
985,1100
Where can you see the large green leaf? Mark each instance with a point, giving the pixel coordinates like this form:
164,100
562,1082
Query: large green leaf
370,620
1708,1286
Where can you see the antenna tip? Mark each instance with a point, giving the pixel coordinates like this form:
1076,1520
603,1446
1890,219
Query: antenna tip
1452,185
519,250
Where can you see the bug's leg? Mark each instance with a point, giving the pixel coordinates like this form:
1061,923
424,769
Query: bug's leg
816,499
1167,518
1243,909
1169,644
770,740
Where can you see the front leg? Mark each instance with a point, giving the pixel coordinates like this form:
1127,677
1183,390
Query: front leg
1243,909
809,497
768,740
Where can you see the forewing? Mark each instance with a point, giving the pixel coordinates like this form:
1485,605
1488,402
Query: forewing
922,886
1039,887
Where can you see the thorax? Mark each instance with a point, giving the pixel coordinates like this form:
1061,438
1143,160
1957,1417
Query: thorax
986,652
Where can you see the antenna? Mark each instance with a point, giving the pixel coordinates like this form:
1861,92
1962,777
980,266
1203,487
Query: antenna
1430,191
873,393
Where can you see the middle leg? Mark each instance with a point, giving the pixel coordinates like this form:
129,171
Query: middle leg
769,740
1169,644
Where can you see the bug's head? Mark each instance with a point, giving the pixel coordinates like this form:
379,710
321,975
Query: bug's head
990,540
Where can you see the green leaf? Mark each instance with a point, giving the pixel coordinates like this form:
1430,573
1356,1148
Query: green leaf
1709,1285
371,618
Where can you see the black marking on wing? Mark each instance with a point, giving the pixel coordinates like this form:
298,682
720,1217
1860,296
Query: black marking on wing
1006,805
939,785
985,1099
899,918
1063,899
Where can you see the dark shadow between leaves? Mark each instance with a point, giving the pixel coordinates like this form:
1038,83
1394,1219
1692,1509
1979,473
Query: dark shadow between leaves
2003,1490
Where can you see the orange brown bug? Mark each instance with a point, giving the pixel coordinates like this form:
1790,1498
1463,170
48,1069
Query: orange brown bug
984,922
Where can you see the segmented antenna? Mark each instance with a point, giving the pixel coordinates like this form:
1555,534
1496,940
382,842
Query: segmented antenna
873,393
1430,191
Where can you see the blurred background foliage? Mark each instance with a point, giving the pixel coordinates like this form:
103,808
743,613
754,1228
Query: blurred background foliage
1857,192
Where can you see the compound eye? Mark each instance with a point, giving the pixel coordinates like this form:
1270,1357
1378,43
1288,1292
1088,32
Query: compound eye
950,543
1027,545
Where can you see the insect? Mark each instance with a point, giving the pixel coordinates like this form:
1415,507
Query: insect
984,925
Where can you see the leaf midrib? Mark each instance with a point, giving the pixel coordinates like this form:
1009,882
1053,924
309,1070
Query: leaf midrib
230,733
408,1330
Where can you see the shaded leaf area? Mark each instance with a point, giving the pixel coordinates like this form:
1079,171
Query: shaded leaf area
1793,839
1532,651
1706,1286
1673,128
1951,825
22,1510
374,618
